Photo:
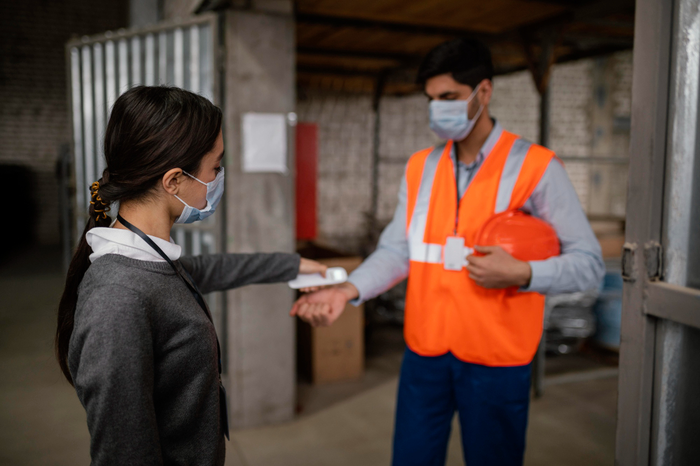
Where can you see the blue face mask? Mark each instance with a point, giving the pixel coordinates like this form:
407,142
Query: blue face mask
449,119
215,190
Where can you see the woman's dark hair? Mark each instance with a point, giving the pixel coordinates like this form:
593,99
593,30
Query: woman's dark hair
151,130
469,61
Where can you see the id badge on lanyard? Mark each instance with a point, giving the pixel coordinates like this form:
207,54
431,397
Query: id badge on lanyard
455,253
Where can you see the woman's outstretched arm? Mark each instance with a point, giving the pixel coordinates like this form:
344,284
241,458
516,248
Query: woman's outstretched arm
218,272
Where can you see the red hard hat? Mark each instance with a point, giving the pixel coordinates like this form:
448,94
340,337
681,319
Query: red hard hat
523,236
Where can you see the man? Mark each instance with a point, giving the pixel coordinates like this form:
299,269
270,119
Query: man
470,338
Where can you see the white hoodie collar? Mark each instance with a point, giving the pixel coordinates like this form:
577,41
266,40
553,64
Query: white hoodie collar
105,241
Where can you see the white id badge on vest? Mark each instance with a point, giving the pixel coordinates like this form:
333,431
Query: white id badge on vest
454,253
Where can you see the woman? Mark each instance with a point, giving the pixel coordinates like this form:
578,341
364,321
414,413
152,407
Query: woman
134,336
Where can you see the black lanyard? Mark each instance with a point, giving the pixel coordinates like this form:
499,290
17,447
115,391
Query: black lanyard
187,278
471,176
457,184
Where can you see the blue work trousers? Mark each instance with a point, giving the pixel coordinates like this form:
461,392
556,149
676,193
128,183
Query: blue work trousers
492,403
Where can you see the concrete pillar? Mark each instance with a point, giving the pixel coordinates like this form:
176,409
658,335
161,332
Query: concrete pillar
173,9
260,77
144,12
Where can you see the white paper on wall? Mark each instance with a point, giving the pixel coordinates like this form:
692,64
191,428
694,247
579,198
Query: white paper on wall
264,143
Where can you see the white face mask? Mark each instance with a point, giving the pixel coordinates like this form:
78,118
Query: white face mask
215,190
449,119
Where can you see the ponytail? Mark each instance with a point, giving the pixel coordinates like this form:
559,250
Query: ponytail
78,266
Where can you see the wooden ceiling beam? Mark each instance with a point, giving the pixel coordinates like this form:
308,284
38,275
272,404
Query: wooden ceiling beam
592,52
540,43
541,66
592,12
589,13
338,71
403,28
569,57
616,23
402,57
602,9
576,40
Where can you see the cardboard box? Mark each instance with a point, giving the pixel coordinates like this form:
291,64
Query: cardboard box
611,236
611,245
335,353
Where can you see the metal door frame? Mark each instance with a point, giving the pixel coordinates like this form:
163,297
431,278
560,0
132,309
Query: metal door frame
662,115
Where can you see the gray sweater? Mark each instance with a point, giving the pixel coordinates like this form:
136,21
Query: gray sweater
143,356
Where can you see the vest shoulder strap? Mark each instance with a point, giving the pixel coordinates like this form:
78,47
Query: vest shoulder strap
534,165
414,176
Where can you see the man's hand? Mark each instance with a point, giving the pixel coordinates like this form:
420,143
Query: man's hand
323,307
497,268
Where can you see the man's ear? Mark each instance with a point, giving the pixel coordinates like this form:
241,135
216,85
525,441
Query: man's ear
172,181
485,91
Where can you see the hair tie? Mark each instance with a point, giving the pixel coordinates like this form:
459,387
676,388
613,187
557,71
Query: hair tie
94,188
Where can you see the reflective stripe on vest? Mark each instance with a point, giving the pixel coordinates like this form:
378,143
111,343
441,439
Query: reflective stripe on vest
421,251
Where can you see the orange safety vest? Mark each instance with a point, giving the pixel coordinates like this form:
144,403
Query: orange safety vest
445,309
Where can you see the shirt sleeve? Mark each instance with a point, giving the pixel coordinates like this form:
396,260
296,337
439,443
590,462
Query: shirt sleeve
218,272
580,266
113,371
389,263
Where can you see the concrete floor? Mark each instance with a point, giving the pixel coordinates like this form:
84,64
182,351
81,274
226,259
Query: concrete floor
573,424
351,423
43,423
41,419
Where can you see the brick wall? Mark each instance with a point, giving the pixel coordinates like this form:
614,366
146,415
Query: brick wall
404,130
610,122
346,139
345,129
570,134
515,103
33,92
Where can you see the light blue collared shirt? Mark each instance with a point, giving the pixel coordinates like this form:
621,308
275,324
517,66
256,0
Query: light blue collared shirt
580,266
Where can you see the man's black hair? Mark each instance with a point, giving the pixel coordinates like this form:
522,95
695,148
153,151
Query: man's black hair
468,59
